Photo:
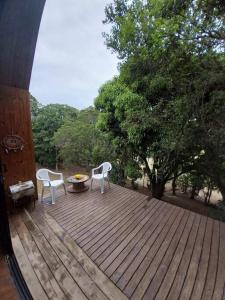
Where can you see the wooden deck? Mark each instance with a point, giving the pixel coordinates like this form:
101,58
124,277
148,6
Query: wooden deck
118,246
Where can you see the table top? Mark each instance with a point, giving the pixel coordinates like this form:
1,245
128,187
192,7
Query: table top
72,179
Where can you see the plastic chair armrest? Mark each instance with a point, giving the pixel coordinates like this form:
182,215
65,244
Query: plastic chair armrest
55,173
93,170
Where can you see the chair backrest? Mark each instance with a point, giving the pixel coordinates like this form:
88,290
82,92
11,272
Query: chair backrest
106,167
42,174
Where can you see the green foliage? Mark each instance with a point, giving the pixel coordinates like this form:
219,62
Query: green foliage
184,182
191,180
153,27
117,173
47,121
35,106
79,142
171,80
195,182
133,171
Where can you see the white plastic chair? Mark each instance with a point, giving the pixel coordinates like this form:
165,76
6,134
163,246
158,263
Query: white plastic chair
43,175
106,167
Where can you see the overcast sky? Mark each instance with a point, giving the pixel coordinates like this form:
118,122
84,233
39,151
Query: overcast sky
71,61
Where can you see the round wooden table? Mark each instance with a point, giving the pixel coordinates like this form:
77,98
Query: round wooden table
77,185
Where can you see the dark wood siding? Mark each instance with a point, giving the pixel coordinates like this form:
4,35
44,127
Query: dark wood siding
19,25
15,119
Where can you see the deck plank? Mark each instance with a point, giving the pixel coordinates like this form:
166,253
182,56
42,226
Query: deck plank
194,263
168,279
61,274
82,207
88,232
32,281
213,264
97,215
39,265
133,241
152,244
81,201
69,261
176,245
138,291
203,264
162,261
158,218
94,207
183,267
220,279
117,246
97,240
110,242
97,276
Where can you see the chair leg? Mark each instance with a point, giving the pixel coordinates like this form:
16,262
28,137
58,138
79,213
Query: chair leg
42,194
102,185
53,194
91,183
64,188
108,181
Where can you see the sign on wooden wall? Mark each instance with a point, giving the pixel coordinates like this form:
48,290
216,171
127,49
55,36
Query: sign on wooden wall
12,143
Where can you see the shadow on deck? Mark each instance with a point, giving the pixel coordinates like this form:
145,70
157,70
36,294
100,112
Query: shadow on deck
118,246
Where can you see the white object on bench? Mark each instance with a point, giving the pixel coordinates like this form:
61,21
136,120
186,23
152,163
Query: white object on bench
21,190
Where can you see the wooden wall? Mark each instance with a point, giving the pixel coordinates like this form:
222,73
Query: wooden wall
15,119
19,26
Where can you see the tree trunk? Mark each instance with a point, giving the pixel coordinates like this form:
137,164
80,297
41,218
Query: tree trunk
222,191
133,184
208,195
158,189
193,191
174,183
156,186
174,186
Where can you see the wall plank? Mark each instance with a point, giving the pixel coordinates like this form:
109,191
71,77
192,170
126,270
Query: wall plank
15,119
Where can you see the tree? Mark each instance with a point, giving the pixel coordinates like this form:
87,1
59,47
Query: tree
35,106
133,171
110,121
80,143
48,120
140,132
171,52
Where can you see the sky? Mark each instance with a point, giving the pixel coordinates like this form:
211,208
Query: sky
71,60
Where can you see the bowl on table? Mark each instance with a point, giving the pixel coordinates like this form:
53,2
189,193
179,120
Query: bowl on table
78,176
